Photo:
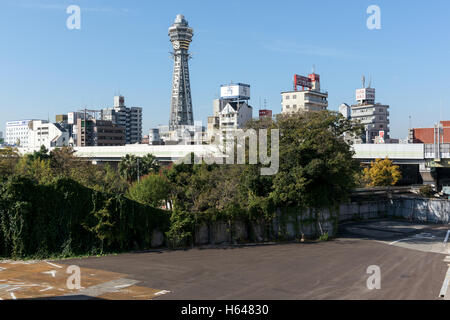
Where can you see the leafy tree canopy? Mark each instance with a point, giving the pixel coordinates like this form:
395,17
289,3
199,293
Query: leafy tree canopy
382,173
152,190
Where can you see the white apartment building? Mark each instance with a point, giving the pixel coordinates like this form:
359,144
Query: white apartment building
345,110
309,99
234,115
49,135
17,133
213,124
373,116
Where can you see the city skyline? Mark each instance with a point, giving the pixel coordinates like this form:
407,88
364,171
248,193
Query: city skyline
261,44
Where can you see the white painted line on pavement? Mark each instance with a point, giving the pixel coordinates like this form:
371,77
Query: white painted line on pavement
417,236
446,237
159,293
124,285
13,296
398,241
445,284
46,289
52,264
52,272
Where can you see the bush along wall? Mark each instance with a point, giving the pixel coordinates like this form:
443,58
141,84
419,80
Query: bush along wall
65,219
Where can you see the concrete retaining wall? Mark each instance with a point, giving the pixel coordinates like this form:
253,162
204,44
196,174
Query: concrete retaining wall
291,223
423,210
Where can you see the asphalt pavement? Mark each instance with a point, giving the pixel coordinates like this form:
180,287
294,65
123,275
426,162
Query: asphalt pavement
410,258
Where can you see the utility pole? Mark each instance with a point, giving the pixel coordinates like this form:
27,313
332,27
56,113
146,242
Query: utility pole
138,175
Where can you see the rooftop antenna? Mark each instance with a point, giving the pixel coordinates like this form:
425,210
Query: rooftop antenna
314,69
370,81
363,81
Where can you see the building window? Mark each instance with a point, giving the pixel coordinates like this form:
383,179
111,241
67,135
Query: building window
287,98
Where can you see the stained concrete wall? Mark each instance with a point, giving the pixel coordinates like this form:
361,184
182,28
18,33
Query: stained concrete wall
291,223
288,224
423,210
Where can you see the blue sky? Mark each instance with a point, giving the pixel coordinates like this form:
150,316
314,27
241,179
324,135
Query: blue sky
47,69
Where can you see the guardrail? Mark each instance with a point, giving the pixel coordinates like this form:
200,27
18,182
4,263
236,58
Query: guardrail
386,190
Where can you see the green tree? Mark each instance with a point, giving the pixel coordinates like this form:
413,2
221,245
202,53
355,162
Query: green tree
382,173
63,160
148,164
35,168
42,154
112,181
132,167
128,167
316,165
9,157
153,190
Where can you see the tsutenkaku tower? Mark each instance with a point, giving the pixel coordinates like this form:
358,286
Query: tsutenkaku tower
181,106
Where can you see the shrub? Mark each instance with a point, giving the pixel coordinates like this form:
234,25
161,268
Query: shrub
426,191
324,237
66,218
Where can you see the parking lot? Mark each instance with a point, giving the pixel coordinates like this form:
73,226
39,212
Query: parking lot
411,258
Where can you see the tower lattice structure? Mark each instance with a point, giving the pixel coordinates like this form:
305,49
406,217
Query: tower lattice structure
181,105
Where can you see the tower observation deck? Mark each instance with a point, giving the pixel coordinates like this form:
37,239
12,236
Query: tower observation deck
181,105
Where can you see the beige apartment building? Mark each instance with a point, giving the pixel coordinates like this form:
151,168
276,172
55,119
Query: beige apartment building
309,98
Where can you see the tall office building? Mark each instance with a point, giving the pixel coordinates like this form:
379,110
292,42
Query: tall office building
181,105
129,118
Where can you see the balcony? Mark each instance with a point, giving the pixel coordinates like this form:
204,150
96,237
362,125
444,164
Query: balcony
315,101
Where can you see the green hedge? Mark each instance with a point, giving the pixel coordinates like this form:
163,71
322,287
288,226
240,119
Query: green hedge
65,219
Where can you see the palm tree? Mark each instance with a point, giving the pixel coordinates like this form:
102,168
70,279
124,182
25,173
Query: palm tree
132,167
149,164
128,167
